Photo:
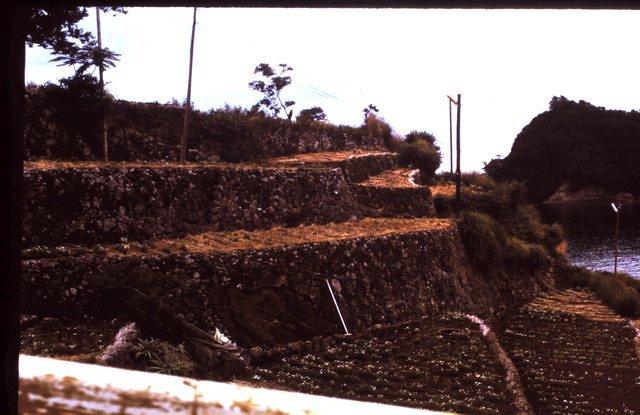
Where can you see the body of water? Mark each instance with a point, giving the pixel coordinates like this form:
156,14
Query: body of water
590,233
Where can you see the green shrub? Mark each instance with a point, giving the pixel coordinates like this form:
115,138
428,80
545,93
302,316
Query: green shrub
472,180
396,144
527,225
523,255
483,239
414,136
422,155
163,357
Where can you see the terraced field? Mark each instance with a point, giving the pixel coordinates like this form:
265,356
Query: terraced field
249,249
438,364
574,355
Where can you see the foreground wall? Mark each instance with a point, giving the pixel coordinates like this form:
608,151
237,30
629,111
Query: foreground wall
262,297
95,205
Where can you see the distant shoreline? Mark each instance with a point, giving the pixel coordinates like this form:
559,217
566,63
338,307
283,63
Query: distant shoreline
589,196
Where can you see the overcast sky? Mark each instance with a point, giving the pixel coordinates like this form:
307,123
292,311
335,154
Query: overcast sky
507,64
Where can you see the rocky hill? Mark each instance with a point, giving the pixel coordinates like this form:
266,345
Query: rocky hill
576,145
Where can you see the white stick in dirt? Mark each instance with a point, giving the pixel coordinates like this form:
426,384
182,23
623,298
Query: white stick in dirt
346,331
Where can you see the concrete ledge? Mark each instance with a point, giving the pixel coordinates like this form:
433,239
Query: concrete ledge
49,386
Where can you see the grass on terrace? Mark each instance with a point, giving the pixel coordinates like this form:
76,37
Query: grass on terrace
229,241
239,240
286,161
400,178
448,189
59,164
323,157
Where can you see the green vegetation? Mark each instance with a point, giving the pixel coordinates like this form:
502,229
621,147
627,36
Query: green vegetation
621,292
162,357
498,228
483,239
490,247
423,155
311,114
62,121
578,144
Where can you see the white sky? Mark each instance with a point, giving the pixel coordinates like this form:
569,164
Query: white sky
507,64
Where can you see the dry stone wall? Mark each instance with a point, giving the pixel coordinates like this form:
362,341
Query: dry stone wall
394,201
359,168
277,295
97,205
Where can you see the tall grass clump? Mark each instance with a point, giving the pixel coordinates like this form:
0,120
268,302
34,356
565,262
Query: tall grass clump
162,357
621,292
524,255
483,239
490,247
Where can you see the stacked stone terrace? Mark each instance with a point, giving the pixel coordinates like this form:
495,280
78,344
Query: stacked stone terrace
246,248
243,247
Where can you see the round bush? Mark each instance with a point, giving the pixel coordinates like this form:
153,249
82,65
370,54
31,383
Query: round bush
422,155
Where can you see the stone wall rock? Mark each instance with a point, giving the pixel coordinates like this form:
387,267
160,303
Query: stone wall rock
277,295
105,204
394,201
359,168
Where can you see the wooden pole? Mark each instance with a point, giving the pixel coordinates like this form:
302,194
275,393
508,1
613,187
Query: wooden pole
458,174
187,109
105,142
450,138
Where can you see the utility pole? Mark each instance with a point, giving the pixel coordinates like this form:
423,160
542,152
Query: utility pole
105,143
187,109
450,138
458,174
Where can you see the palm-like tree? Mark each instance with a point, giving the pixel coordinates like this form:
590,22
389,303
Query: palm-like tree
90,55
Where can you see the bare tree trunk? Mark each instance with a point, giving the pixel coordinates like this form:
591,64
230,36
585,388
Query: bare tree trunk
105,143
187,109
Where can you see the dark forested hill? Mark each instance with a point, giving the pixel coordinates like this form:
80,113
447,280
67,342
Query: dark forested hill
578,144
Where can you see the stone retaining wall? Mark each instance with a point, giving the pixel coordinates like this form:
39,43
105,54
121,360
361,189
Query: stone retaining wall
99,205
394,201
278,295
359,168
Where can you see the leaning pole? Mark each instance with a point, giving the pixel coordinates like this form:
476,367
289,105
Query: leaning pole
458,174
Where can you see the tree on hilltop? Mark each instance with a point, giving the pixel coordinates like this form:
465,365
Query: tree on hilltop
271,87
57,29
311,114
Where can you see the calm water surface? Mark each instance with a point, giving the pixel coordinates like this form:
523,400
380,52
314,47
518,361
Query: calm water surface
590,230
